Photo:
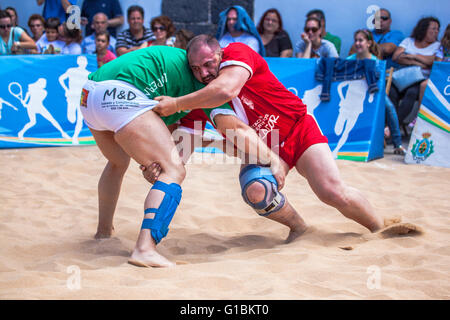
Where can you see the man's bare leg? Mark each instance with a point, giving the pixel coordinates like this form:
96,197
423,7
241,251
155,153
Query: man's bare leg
110,182
287,215
146,139
320,169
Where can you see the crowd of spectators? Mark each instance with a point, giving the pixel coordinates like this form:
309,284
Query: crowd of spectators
51,34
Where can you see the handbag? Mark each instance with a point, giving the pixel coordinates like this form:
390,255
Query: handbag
405,77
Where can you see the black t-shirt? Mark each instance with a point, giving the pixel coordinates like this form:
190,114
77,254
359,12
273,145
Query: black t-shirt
279,42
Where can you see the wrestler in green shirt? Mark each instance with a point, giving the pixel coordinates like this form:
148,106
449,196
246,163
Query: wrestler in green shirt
156,71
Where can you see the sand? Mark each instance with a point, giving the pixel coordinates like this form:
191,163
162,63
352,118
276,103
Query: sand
48,217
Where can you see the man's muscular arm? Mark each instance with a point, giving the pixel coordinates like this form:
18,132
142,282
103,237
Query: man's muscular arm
224,88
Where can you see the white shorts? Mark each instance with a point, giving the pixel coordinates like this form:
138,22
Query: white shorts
112,104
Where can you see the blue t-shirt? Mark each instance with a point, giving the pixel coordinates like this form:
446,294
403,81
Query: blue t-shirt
392,36
14,36
326,49
111,8
54,8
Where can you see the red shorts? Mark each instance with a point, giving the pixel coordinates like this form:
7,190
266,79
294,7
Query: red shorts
305,133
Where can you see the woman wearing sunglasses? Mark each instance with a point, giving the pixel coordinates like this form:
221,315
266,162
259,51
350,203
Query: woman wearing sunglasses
13,39
163,29
311,44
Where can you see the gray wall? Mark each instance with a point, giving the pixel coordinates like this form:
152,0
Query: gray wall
343,16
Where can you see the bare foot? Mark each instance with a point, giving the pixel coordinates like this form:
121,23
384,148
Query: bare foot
149,258
104,234
295,233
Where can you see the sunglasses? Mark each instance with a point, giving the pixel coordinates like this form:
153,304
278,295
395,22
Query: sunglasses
313,29
384,18
4,26
158,28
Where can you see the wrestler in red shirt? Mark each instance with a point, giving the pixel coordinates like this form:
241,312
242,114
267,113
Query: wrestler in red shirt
239,74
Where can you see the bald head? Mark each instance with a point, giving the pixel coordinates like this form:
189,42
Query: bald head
201,41
204,55
100,22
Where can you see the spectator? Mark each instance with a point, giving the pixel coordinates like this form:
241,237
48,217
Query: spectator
72,38
319,14
387,39
55,8
366,48
417,50
182,37
13,39
100,24
137,35
14,19
235,25
49,42
276,41
104,55
163,29
311,44
15,23
36,23
111,8
444,51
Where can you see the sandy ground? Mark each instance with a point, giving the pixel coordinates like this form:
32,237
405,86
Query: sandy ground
48,217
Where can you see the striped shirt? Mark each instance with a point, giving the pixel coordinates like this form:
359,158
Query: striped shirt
127,40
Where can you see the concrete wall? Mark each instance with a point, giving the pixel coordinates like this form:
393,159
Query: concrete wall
343,16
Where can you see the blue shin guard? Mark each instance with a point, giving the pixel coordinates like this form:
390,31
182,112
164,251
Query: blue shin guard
159,225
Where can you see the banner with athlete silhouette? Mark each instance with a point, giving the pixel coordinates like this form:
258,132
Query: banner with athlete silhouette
352,119
40,100
430,140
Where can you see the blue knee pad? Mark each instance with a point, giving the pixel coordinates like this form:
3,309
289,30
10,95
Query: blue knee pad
159,225
273,199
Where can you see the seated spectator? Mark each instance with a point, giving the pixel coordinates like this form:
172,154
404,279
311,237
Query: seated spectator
137,35
104,55
49,42
36,24
420,50
13,39
366,48
276,41
311,44
111,8
55,8
319,14
235,25
182,37
387,39
14,18
72,38
163,29
443,53
100,24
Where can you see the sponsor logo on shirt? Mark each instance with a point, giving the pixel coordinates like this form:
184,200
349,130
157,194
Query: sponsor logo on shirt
265,125
248,102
